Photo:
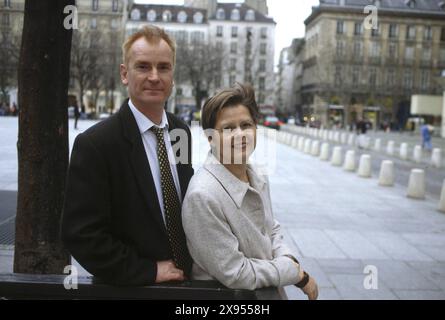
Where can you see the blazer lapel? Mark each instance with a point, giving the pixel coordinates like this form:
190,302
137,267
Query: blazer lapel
140,164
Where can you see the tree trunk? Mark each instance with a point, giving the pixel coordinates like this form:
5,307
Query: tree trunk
43,137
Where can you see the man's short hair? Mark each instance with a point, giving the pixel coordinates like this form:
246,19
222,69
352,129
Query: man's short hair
152,34
239,94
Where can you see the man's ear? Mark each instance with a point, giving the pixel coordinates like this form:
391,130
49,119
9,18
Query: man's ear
124,73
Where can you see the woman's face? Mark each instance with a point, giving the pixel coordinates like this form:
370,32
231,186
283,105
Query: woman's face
234,137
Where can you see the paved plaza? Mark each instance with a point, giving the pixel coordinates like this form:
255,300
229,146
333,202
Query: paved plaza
338,224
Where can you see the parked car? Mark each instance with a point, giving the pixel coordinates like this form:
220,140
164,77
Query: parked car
272,122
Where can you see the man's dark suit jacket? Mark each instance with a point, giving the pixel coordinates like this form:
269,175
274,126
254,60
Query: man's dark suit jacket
112,222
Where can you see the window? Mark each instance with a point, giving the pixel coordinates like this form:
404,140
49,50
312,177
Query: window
392,50
198,17
263,33
340,48
375,50
115,5
261,98
409,53
95,5
425,80
235,15
262,83
358,28
233,47
7,4
338,76
263,48
442,55
392,30
373,77
93,23
234,32
167,16
232,80
391,77
197,37
262,65
250,15
355,76
340,27
442,35
220,14
219,31
428,34
182,17
5,19
179,91
408,79
358,49
135,14
375,32
219,46
115,23
151,15
181,36
233,64
249,34
426,54
411,32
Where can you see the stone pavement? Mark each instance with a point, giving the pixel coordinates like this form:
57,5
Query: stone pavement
338,224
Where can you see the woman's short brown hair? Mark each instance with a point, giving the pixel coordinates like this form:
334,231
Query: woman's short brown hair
236,95
151,34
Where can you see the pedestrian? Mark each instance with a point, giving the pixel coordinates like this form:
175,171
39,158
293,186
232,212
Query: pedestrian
76,115
425,131
230,228
122,218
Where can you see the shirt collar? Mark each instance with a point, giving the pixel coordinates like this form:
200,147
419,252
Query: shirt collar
144,123
236,188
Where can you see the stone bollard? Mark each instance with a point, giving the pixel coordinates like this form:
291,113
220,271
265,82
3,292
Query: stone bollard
325,135
294,141
349,164
330,135
417,154
377,144
337,136
390,148
416,184
364,167
442,198
386,176
344,138
324,154
307,146
315,148
351,139
436,158
366,142
336,159
404,151
300,146
288,138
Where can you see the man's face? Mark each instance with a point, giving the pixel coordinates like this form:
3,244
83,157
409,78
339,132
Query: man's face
148,73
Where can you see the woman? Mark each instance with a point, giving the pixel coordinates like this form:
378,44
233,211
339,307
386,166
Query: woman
227,214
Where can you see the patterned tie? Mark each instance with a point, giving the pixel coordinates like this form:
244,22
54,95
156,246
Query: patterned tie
172,207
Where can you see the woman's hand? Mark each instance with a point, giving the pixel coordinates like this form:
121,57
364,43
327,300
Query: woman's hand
311,289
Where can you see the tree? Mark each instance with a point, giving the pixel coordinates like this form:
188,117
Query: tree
198,64
43,137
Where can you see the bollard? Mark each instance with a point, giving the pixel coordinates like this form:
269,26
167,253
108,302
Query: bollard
403,151
366,142
442,198
324,154
325,135
417,154
386,176
349,164
351,139
315,148
364,167
344,138
377,144
390,148
288,138
416,184
294,141
307,146
300,146
436,158
330,135
336,159
337,136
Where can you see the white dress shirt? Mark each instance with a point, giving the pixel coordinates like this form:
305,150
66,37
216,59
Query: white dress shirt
150,144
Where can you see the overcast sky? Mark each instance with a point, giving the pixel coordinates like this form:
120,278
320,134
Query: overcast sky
288,14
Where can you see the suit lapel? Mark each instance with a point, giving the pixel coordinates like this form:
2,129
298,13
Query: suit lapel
140,164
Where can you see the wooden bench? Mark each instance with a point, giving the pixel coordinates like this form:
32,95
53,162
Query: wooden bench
31,286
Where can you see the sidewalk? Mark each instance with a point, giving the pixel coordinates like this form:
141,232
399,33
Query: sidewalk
338,224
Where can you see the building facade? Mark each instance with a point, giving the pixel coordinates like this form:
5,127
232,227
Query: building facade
355,70
241,37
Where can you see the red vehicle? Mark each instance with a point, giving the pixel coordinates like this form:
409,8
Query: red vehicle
272,122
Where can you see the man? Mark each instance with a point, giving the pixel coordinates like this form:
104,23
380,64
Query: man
425,131
121,219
